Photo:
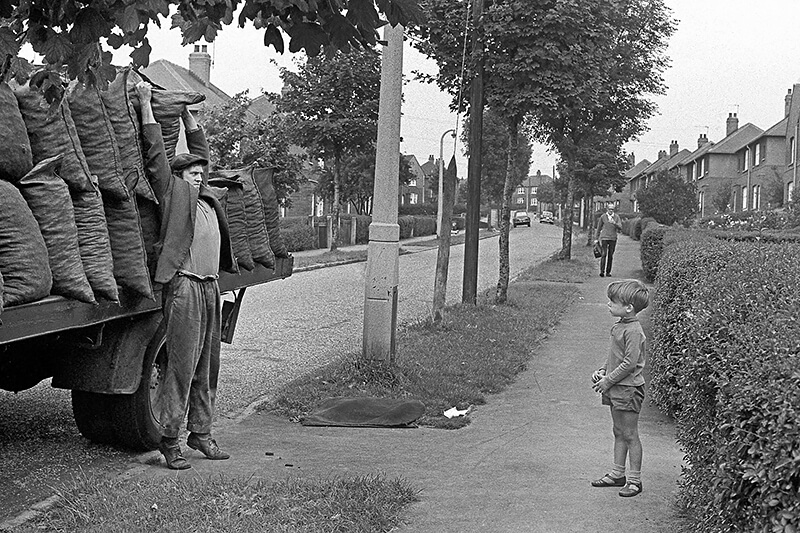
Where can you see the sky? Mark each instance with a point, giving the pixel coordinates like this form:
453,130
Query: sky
726,56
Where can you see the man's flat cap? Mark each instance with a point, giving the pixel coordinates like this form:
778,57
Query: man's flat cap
184,161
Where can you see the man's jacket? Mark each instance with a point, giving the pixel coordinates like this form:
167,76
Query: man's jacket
177,201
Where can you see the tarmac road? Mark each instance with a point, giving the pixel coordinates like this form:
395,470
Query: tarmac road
285,328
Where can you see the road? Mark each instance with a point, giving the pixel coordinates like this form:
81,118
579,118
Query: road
285,329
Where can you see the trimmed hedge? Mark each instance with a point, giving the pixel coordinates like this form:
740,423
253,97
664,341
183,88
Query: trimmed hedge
418,209
639,225
406,223
297,236
424,226
724,364
651,249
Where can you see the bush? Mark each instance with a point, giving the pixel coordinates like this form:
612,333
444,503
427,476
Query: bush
424,226
406,226
724,364
299,237
651,248
418,209
362,223
285,222
747,221
636,228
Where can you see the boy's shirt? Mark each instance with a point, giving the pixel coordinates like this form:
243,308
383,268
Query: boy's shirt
627,352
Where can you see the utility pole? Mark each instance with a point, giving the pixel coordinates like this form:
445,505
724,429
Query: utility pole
469,288
382,277
439,218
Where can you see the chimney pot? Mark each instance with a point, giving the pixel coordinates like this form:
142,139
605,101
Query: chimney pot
787,103
662,154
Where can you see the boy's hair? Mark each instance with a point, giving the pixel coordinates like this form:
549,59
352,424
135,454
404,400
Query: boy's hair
629,292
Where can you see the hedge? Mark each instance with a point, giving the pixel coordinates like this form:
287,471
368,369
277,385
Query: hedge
424,226
639,225
406,226
298,237
651,248
724,364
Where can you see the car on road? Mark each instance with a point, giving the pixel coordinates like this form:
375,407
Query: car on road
522,218
546,217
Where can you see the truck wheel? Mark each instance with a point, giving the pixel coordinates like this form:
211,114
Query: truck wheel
93,416
134,417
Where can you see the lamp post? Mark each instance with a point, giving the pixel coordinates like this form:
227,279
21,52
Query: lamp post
439,221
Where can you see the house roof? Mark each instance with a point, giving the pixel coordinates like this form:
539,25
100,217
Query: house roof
535,180
736,140
778,130
665,163
177,78
261,107
697,154
636,169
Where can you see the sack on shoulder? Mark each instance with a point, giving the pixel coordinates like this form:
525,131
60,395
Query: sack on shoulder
597,250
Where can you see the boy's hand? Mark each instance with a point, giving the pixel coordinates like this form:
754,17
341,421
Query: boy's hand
598,375
603,385
144,92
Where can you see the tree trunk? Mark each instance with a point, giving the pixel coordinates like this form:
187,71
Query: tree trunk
337,180
443,257
566,235
501,294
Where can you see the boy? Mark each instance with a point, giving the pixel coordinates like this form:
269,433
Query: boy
194,244
621,382
607,228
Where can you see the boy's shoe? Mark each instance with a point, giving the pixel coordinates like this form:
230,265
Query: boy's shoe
207,447
609,481
601,274
631,488
173,456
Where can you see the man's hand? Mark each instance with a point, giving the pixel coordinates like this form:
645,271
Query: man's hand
603,385
189,121
144,91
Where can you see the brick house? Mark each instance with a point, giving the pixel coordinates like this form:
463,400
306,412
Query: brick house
716,165
761,163
791,174
416,191
525,197
668,161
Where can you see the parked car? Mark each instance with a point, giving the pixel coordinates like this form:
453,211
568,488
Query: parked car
522,218
546,218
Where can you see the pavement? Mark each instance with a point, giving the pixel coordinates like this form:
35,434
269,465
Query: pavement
524,463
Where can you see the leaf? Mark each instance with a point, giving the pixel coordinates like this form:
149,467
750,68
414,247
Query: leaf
362,13
130,19
273,37
21,68
8,42
89,26
115,41
401,11
308,36
342,32
141,55
55,48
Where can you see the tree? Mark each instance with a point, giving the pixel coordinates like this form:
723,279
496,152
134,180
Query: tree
721,197
358,181
238,138
668,199
334,105
68,34
773,190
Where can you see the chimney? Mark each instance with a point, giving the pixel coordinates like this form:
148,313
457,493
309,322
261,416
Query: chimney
787,103
662,154
732,124
702,140
200,63
673,148
631,160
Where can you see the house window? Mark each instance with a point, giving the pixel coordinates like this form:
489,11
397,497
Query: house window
705,165
520,190
701,203
412,182
757,154
521,201
756,197
533,190
791,150
790,191
735,199
534,201
412,198
319,206
746,159
745,199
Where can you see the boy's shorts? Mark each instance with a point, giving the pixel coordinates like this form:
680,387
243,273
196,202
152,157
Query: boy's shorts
624,397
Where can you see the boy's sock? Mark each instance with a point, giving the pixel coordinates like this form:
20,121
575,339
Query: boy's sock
618,471
635,476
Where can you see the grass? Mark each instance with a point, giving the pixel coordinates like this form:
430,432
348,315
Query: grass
476,351
98,504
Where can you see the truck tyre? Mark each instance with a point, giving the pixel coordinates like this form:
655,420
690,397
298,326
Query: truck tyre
135,421
126,420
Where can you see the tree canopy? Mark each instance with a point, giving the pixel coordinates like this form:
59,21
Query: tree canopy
238,138
668,199
71,34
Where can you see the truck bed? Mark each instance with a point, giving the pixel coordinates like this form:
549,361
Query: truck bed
55,313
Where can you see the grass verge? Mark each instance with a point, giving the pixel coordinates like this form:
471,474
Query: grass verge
476,351
98,504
